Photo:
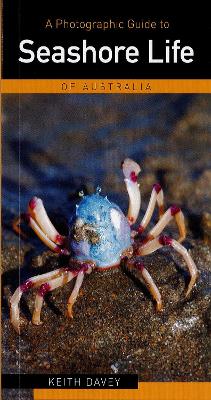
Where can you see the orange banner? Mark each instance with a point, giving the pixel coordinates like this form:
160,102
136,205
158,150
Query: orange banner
131,86
146,391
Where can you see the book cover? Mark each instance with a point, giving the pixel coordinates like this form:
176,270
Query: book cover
106,188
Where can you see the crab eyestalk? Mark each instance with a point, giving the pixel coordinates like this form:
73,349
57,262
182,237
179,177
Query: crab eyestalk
131,170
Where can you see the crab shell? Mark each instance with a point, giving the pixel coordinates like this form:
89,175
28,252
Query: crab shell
101,232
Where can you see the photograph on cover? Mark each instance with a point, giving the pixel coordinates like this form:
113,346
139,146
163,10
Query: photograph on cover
63,310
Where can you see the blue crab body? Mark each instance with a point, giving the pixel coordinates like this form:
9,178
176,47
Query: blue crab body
101,232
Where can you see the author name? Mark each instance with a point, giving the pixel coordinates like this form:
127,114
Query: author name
84,382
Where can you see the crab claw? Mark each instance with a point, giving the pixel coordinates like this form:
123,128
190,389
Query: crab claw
159,306
70,310
192,282
131,170
14,318
14,309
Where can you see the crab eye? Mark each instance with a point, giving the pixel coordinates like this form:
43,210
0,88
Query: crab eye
115,218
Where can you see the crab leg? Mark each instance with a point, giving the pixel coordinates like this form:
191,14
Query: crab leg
143,275
46,287
44,238
131,170
173,212
30,283
161,241
74,294
156,197
37,210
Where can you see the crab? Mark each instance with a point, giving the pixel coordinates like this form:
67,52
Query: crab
102,237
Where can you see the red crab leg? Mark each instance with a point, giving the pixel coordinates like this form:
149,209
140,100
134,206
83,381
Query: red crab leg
173,212
156,197
161,241
37,211
30,283
81,267
48,242
46,287
74,294
143,275
131,170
